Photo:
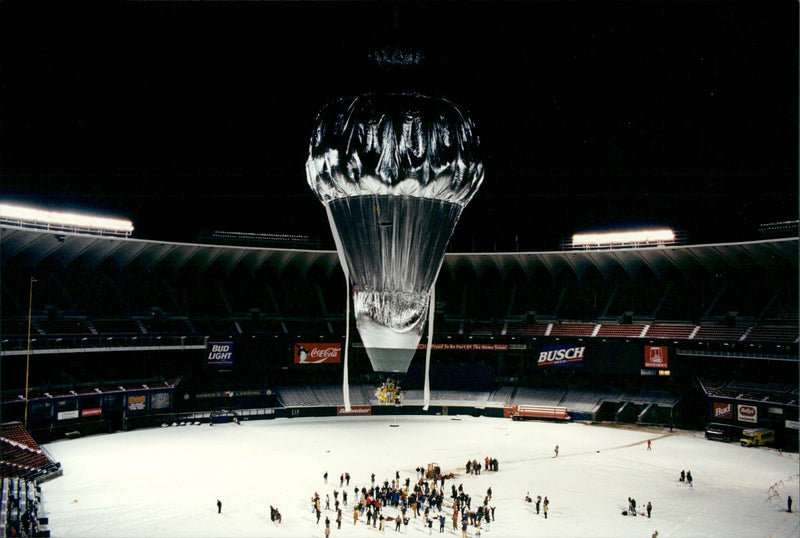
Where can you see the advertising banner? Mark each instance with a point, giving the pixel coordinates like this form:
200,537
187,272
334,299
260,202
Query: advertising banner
317,353
748,413
466,347
723,411
136,403
231,394
93,412
655,357
159,400
220,353
561,355
66,415
355,410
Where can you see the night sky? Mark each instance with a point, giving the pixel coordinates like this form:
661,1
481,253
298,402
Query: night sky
190,117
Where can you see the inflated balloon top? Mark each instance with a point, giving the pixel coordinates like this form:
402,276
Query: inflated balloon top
403,144
394,171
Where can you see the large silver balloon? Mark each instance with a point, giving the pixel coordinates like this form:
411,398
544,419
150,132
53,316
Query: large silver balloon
394,172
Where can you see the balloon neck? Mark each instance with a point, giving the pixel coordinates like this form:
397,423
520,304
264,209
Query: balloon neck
389,351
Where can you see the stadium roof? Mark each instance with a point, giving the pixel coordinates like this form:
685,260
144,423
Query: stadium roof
22,246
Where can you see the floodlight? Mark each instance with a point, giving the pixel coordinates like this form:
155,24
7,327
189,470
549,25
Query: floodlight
60,220
635,237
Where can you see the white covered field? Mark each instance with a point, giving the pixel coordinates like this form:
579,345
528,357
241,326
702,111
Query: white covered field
166,481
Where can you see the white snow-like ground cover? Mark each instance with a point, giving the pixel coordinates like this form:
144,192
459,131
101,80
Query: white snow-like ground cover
166,481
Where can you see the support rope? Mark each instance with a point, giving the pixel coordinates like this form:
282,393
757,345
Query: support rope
426,394
346,382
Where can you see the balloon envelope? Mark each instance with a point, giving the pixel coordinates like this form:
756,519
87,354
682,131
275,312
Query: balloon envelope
394,173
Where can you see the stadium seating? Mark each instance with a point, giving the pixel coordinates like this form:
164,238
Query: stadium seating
766,333
720,332
614,330
526,329
21,454
679,331
142,318
21,509
776,392
207,300
573,329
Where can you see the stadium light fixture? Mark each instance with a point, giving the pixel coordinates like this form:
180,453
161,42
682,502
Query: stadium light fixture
65,221
654,236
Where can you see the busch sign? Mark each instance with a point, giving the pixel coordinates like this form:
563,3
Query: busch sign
655,356
317,353
560,355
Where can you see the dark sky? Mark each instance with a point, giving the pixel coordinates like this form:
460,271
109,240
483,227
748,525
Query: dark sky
195,116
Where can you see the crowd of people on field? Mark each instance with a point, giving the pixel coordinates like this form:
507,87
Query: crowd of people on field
399,502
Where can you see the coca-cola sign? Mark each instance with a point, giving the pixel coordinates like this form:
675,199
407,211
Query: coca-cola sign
318,352
748,413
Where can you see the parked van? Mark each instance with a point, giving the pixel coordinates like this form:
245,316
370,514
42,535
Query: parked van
720,432
757,437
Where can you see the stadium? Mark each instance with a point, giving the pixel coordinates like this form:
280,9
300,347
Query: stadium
125,333
190,370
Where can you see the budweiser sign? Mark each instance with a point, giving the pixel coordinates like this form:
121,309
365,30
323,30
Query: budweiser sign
723,410
355,410
317,353
655,356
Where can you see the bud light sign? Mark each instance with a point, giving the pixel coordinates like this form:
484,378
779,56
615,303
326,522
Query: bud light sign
220,353
561,355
